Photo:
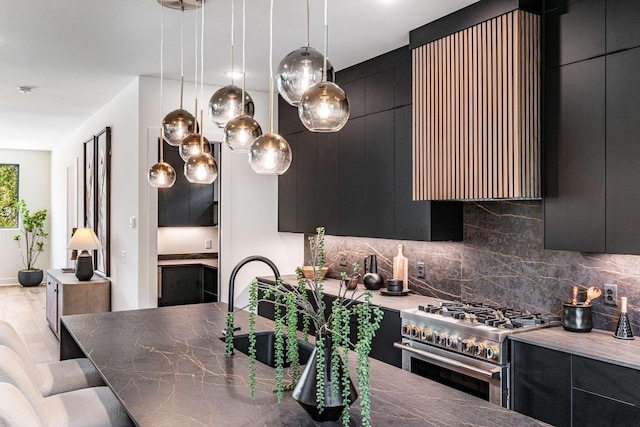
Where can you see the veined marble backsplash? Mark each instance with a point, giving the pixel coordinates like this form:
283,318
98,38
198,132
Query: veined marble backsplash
501,261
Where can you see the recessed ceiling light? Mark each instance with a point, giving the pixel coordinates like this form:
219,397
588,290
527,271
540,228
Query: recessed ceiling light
233,74
25,89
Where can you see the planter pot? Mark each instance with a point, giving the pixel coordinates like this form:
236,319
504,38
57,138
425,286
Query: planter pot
30,277
305,391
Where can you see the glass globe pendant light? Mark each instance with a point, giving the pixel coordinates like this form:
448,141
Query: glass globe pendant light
241,131
324,106
191,144
230,101
161,174
179,123
300,69
201,168
270,154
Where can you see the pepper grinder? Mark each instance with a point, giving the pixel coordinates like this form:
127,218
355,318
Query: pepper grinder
623,330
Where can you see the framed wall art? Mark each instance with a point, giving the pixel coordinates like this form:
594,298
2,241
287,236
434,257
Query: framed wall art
103,200
89,183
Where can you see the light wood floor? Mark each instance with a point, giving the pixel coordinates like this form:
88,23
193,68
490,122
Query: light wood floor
24,309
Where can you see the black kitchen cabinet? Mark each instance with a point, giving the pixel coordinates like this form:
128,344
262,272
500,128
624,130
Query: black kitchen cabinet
623,31
541,383
623,152
358,181
574,204
574,31
187,284
185,204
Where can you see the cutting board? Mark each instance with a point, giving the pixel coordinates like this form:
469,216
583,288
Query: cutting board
401,268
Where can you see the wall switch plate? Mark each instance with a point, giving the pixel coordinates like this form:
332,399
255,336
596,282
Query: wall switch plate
610,294
343,259
421,270
123,257
207,243
132,222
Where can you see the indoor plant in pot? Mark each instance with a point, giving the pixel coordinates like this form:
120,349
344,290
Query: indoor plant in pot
32,228
324,387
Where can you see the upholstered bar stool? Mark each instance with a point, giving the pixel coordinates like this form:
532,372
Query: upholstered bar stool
52,377
88,407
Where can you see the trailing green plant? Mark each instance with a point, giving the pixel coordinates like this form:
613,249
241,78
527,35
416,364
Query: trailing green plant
306,299
32,228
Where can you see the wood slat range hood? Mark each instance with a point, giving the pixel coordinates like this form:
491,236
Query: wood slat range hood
476,103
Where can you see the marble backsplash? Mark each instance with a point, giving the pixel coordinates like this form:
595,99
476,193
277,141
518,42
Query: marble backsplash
501,261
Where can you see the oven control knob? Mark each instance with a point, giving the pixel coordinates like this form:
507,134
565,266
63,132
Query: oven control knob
415,332
425,335
493,352
467,346
478,349
406,329
441,338
452,341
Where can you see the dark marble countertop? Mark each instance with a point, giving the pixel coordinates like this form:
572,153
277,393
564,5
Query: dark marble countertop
597,344
167,366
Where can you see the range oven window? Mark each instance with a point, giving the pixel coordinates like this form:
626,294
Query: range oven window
450,378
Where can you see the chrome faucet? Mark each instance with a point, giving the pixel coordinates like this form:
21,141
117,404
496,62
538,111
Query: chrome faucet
237,268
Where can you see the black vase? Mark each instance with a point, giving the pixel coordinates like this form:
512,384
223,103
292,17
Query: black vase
372,280
30,277
305,391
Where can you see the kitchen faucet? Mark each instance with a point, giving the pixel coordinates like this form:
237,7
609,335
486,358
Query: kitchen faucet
237,268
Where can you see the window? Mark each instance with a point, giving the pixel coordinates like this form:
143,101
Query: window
8,196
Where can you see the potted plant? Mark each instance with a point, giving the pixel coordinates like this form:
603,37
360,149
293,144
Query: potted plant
324,388
32,228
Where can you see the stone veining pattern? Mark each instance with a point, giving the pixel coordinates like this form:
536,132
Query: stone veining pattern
502,261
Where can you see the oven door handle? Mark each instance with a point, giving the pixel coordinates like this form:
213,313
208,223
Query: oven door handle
490,373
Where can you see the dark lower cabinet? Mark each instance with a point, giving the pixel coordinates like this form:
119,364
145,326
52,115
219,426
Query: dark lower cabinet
541,383
187,285
564,389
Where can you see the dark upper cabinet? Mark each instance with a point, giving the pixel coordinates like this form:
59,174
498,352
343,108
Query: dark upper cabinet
623,24
287,190
288,120
306,180
185,204
403,83
574,204
355,92
328,176
623,152
574,31
352,178
379,91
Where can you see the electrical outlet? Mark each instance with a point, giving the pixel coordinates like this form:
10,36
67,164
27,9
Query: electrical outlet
343,259
610,294
421,270
207,243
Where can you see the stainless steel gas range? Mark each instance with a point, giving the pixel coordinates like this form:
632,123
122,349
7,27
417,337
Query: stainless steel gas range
464,345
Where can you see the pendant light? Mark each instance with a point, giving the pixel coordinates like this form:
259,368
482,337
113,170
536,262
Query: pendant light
241,131
300,69
270,154
192,144
179,123
226,103
324,107
201,168
161,175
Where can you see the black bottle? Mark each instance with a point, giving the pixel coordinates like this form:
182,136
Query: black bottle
372,280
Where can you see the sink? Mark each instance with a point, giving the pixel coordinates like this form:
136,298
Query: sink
265,347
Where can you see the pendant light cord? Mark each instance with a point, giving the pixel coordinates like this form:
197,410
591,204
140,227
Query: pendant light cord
326,42
195,68
308,37
202,61
244,36
161,77
181,53
232,31
270,68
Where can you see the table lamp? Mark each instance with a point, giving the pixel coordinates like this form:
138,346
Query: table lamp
84,239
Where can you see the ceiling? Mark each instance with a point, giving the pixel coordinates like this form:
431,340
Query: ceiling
78,54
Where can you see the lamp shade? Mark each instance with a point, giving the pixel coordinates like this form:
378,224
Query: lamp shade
270,154
191,145
298,71
226,103
324,107
240,132
84,238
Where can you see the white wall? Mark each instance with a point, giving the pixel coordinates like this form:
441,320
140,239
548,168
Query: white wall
34,188
121,114
186,240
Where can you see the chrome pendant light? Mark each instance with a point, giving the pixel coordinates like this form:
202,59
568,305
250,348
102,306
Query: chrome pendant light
270,154
192,144
324,106
241,131
230,101
300,69
161,174
179,123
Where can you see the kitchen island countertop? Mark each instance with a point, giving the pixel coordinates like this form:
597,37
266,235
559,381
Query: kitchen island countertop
167,366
